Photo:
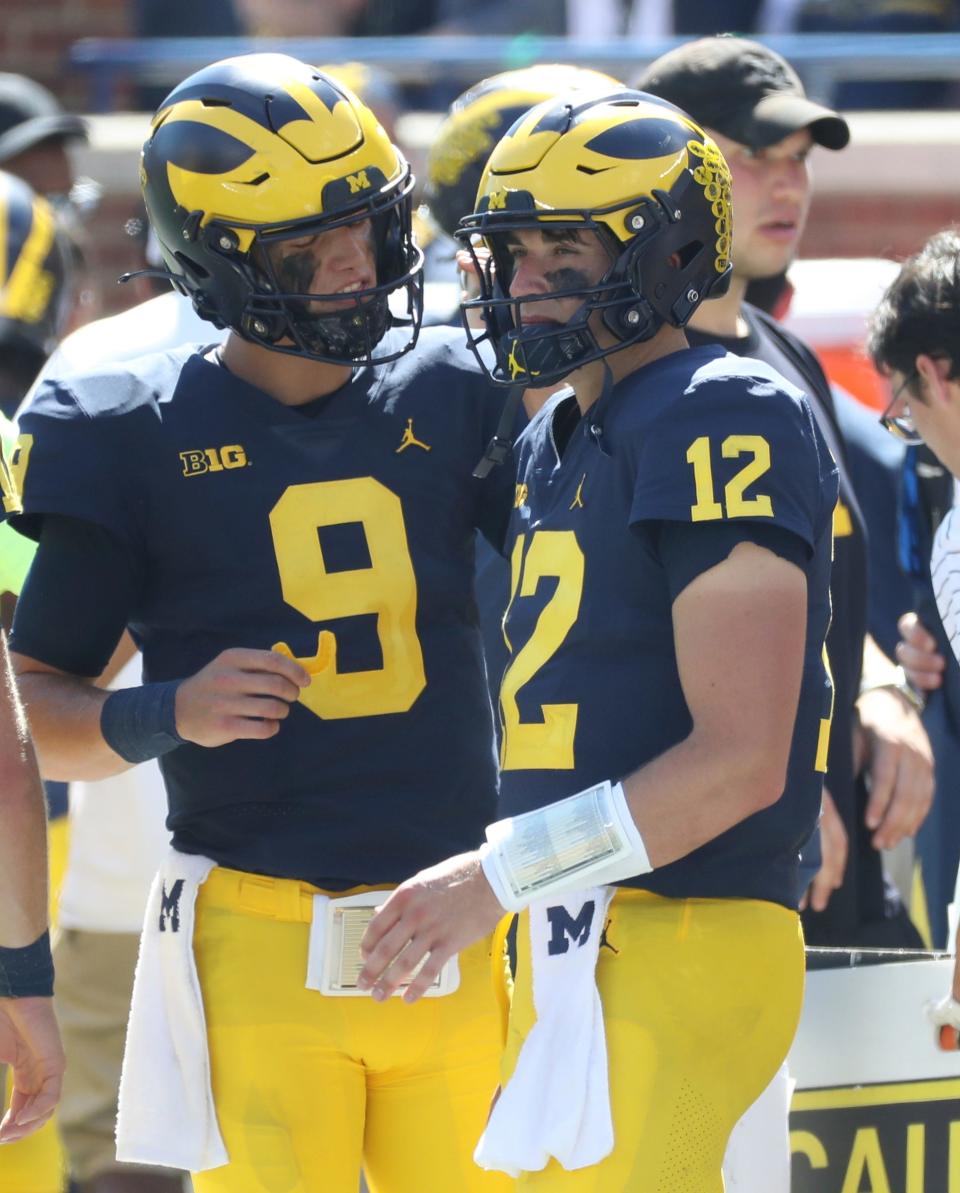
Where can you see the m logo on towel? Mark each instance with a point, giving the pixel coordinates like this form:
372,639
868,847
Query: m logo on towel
170,906
565,928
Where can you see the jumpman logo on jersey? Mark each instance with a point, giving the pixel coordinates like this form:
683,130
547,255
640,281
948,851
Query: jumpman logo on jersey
577,503
410,440
604,943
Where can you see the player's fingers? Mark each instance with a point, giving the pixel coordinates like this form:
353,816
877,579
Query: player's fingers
427,974
29,1108
14,1131
820,890
383,919
913,631
266,683
400,970
261,706
923,670
248,729
910,804
384,954
883,777
247,659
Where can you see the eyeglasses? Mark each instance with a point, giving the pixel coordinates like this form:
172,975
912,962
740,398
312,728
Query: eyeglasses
901,426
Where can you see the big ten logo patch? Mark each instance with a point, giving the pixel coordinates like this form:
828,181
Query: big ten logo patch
898,1138
565,928
213,459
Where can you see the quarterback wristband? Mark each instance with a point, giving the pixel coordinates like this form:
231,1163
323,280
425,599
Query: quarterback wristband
588,839
141,723
27,972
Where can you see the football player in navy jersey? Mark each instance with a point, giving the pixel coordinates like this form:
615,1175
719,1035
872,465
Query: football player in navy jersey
286,525
666,708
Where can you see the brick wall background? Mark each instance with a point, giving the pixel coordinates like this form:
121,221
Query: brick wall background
35,36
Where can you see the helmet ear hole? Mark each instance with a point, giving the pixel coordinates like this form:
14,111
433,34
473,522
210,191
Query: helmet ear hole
193,268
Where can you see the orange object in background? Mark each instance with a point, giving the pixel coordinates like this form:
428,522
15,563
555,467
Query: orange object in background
831,303
849,368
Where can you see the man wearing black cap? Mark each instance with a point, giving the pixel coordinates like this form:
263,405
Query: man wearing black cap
752,101
879,781
34,131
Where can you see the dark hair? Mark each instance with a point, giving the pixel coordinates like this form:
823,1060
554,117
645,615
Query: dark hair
920,312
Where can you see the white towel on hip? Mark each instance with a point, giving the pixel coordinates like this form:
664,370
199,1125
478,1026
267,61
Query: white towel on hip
166,1112
557,1102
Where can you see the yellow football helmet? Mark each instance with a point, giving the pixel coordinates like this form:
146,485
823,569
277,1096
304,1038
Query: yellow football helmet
643,176
478,119
36,278
262,148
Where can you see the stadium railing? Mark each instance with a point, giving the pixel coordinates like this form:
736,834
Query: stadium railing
822,59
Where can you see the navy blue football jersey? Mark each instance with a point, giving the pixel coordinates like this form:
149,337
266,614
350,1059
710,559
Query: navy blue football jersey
592,691
342,533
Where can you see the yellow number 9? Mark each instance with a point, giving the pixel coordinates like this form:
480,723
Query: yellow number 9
387,588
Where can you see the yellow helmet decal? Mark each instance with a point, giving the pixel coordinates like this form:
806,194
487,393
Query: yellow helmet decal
580,168
276,177
25,282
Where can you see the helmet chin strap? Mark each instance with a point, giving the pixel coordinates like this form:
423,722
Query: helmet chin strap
501,445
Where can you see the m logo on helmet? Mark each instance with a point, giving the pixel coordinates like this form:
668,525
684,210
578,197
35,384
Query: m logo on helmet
498,201
358,182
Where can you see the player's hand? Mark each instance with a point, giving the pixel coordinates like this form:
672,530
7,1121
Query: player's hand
470,280
240,694
431,916
917,654
899,765
834,846
30,1044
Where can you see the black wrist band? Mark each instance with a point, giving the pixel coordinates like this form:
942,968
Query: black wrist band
27,972
141,723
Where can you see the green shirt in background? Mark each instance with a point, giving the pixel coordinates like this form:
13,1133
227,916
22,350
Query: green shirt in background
16,552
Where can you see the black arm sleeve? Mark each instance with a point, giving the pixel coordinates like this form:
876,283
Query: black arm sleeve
686,549
77,598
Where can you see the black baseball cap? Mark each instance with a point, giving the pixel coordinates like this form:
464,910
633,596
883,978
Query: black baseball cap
30,115
744,90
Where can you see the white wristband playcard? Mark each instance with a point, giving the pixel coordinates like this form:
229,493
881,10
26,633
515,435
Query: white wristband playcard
575,835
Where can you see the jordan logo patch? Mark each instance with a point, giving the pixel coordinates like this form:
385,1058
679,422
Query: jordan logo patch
410,440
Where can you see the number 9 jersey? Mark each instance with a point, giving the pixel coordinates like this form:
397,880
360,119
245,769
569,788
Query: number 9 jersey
341,533
615,513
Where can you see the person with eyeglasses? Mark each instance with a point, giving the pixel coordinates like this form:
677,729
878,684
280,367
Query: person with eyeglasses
912,339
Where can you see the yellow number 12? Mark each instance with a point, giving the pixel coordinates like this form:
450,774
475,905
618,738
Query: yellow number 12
707,508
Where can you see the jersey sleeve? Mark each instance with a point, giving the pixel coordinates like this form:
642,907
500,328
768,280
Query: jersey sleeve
67,462
735,451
